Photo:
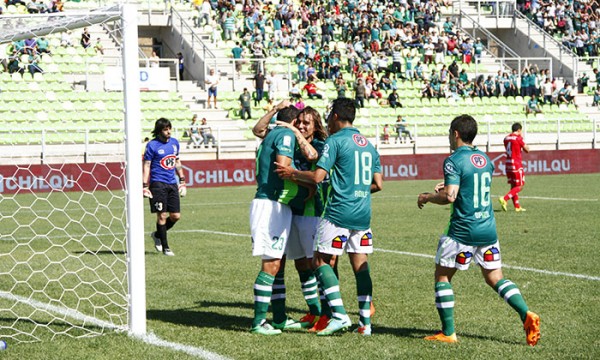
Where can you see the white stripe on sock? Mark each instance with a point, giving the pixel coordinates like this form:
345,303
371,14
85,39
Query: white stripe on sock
447,292
277,296
445,305
309,289
365,313
336,302
508,283
363,298
262,299
263,287
312,296
279,286
331,290
510,293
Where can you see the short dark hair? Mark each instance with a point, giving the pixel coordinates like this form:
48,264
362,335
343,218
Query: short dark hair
466,126
516,127
345,109
159,125
288,114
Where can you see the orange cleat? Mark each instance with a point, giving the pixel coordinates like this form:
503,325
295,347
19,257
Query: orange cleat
439,336
321,324
532,328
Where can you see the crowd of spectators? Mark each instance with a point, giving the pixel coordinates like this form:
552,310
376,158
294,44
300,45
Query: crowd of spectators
575,22
381,45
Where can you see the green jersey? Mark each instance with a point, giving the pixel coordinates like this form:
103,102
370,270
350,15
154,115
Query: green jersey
472,218
351,161
279,141
299,204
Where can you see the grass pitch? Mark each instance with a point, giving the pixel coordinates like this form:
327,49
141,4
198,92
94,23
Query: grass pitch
202,297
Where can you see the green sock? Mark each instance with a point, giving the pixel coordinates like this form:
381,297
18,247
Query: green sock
278,298
364,292
263,287
511,294
444,301
325,309
331,289
310,288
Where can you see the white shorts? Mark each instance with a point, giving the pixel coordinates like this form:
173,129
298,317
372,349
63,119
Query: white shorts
452,254
270,223
334,240
302,237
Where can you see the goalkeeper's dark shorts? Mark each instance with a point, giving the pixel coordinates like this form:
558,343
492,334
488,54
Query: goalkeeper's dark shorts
165,197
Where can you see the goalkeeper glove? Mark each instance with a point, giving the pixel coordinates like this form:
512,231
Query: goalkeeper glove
182,187
146,192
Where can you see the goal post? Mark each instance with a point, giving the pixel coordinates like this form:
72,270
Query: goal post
133,145
72,258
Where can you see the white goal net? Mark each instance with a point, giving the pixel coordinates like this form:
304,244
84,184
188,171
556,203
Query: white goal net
64,250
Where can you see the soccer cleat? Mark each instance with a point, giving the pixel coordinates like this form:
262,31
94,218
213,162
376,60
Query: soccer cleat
363,330
520,209
168,252
334,325
439,336
289,324
157,243
532,328
308,320
320,324
265,329
503,203
372,309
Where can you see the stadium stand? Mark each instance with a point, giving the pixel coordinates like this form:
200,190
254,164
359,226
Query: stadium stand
450,70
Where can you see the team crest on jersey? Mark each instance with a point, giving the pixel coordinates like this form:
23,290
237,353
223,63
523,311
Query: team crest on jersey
338,241
478,161
168,162
359,140
492,254
366,239
464,258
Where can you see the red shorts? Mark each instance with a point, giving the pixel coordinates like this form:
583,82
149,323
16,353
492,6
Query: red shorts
516,178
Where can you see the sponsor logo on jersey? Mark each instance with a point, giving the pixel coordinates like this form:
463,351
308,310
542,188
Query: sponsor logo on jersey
161,151
338,241
449,168
360,140
464,258
366,239
478,161
492,254
287,141
168,162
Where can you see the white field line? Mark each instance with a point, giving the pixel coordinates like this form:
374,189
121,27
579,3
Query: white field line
149,338
375,197
540,271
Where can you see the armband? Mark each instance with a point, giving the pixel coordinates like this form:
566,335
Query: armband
181,180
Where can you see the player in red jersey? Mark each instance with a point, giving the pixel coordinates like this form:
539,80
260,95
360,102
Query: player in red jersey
514,167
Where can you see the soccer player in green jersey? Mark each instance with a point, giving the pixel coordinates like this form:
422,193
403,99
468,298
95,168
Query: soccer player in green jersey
270,215
471,233
353,166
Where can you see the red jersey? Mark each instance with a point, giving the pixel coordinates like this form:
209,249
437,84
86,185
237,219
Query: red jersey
310,88
514,144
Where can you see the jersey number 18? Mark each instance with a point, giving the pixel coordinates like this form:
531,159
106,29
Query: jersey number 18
363,172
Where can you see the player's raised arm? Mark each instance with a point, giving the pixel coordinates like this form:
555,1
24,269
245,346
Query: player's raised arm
262,126
289,173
